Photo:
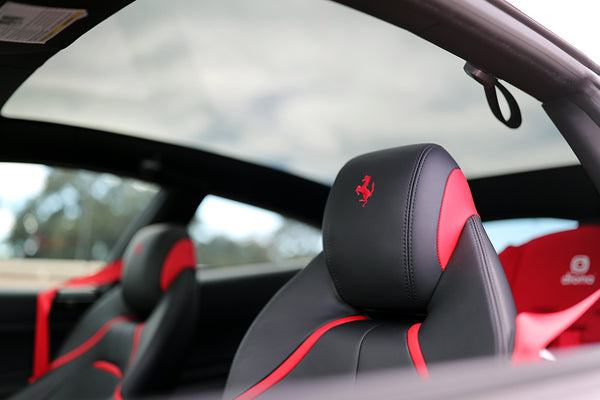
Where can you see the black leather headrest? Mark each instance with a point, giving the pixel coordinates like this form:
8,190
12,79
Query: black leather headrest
153,259
391,223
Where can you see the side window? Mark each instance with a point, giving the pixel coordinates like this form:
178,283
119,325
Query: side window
515,232
230,233
59,223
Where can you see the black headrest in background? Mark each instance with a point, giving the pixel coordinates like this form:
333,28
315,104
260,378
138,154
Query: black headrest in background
153,259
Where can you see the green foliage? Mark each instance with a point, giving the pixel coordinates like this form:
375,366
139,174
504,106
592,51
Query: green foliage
221,250
77,215
292,239
80,215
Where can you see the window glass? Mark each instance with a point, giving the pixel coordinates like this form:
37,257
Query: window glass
227,232
515,232
298,85
58,223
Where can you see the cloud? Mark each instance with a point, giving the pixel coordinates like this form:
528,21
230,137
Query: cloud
300,84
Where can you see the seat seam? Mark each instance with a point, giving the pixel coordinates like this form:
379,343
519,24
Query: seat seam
360,346
489,287
413,185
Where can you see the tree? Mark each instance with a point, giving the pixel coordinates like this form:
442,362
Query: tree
80,215
291,240
77,214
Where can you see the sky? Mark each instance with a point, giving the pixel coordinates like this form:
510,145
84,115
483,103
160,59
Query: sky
222,217
19,182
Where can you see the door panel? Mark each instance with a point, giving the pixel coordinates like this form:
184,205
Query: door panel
17,319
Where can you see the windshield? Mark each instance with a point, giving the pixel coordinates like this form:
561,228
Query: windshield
300,85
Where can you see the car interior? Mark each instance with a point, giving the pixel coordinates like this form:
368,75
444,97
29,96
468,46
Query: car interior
379,247
135,335
451,300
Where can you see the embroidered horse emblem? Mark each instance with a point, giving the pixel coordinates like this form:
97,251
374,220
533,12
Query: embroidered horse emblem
364,189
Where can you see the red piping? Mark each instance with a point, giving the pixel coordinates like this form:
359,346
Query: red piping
414,349
136,342
88,344
108,367
117,395
292,361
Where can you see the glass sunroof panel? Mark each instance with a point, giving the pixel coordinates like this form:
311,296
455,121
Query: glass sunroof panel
300,85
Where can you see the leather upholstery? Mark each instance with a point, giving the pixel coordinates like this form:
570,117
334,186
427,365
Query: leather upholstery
382,260
143,342
372,251
144,263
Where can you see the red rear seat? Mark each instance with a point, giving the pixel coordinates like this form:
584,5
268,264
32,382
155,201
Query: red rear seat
554,272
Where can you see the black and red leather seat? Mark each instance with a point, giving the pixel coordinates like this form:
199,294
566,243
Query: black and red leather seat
132,340
553,272
407,278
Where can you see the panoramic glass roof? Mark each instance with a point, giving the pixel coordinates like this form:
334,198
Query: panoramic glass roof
300,85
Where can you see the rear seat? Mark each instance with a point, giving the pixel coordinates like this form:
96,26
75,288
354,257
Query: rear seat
554,272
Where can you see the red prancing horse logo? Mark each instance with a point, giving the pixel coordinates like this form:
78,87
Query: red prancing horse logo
364,189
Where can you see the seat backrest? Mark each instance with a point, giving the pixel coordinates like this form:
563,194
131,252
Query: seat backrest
132,340
407,277
554,272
